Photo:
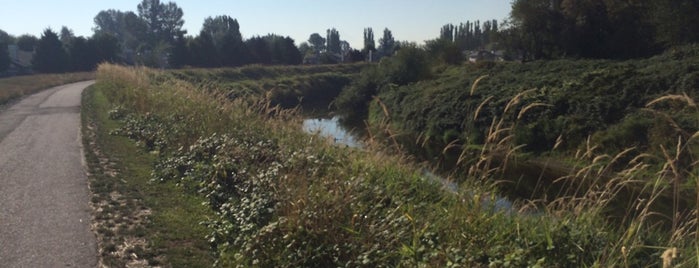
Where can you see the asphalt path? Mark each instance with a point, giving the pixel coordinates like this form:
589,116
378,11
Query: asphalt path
44,201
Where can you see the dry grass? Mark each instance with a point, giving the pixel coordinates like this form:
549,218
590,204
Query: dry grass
15,87
335,208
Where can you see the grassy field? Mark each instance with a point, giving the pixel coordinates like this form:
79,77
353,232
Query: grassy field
16,87
282,198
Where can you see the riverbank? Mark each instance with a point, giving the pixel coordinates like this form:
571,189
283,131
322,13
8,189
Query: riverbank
284,199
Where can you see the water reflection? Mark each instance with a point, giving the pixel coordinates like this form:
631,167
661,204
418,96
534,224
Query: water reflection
332,129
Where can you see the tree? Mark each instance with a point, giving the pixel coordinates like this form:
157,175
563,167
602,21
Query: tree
220,28
66,36
273,49
292,55
82,55
50,56
226,36
447,32
333,41
106,47
594,28
304,48
540,24
317,43
258,50
127,27
109,21
369,44
6,38
164,21
204,52
282,50
27,42
179,55
354,55
386,43
676,21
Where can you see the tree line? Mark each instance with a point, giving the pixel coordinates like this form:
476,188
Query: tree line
611,29
153,36
536,29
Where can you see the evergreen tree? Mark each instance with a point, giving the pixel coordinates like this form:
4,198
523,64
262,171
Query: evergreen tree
82,55
50,57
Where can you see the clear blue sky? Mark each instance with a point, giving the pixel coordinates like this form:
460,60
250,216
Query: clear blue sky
409,20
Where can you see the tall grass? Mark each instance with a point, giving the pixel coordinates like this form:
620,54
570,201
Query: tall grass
15,87
287,199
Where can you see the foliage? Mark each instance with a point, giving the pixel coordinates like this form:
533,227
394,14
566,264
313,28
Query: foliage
288,87
599,29
470,35
333,41
6,38
387,45
137,222
50,56
409,65
285,199
163,20
576,99
273,49
225,35
27,42
317,43
126,27
369,43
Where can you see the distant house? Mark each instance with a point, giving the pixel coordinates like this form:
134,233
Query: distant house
485,56
323,58
20,60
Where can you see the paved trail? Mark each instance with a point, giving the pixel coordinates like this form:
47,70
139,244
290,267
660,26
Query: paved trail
44,211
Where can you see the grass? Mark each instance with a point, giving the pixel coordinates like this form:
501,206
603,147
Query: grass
15,87
282,198
138,222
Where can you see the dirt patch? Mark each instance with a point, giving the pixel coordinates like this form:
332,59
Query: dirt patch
118,220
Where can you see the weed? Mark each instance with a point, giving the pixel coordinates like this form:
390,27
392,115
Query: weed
283,199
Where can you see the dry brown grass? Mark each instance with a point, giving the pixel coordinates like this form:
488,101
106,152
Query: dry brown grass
16,87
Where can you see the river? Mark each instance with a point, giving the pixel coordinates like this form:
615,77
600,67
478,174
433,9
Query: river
333,129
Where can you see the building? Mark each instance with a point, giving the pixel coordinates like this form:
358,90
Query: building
485,56
20,60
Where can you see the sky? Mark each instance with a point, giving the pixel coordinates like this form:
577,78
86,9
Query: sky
408,20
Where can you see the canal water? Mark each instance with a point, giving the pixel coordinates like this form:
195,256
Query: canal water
333,129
